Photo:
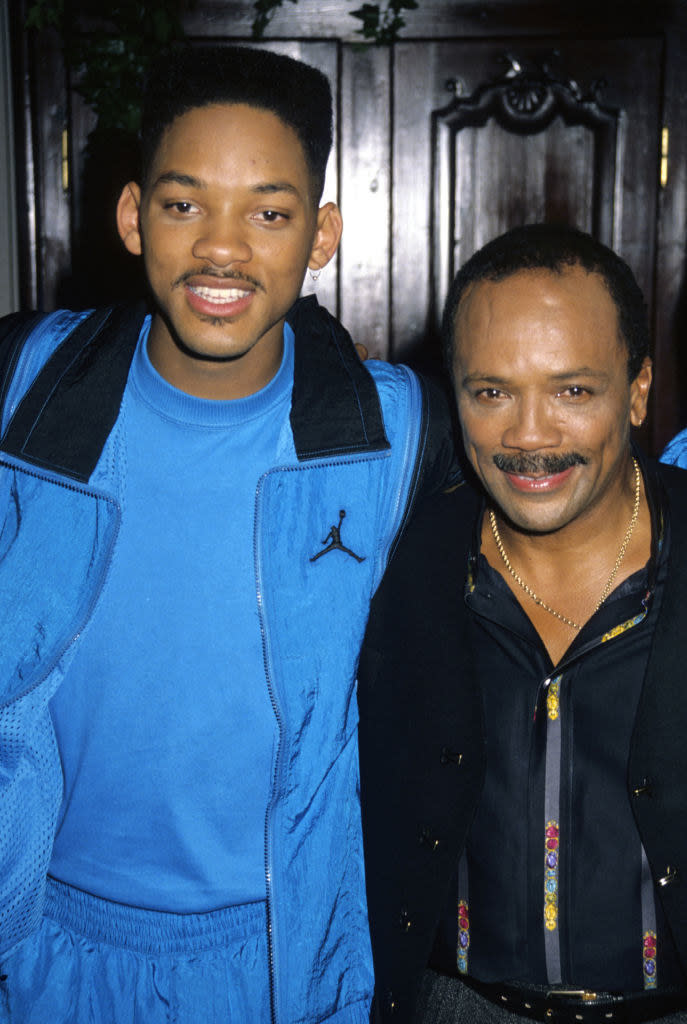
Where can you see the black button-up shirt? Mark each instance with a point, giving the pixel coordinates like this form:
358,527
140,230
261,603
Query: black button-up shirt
554,887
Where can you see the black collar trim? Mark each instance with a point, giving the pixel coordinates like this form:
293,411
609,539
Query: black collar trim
335,408
64,420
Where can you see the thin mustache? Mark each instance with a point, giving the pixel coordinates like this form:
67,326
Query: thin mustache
547,464
231,275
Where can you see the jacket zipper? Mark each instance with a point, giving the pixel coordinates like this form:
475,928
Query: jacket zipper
276,775
277,756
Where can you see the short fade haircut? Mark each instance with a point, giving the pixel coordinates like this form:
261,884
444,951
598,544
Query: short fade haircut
555,247
192,77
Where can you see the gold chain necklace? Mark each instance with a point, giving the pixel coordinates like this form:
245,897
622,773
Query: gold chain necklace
609,583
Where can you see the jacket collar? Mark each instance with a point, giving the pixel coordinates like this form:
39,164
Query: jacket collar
64,420
335,407
66,416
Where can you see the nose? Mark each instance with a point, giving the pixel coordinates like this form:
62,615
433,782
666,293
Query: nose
222,242
532,425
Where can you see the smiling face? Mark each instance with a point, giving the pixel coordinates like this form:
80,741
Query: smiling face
227,227
543,396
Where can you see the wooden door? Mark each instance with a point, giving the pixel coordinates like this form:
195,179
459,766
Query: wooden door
530,135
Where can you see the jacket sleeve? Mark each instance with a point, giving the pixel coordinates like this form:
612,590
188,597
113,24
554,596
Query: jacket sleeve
442,457
675,452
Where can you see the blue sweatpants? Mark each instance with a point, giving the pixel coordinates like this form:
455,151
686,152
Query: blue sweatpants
96,962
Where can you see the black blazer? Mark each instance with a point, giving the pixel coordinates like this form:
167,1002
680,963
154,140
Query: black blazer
422,752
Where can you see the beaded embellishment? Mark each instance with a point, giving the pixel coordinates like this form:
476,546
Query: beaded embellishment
552,700
551,876
470,580
649,960
463,937
623,627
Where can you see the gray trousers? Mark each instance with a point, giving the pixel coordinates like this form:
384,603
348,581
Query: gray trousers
445,1000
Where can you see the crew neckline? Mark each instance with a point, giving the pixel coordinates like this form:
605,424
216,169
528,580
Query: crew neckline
178,405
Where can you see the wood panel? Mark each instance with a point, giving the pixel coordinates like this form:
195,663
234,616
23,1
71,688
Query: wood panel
441,19
505,179
533,180
365,197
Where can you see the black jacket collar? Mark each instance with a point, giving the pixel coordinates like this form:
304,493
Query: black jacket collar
335,407
65,418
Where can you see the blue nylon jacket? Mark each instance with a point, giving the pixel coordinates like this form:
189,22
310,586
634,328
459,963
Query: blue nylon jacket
359,440
675,453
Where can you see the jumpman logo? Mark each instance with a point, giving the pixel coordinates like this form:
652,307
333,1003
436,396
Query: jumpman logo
334,538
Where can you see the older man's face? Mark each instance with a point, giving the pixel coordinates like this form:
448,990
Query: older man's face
543,395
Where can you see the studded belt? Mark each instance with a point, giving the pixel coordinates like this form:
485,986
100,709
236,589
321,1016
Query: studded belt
580,1006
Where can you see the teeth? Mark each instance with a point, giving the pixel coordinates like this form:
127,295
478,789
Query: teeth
220,295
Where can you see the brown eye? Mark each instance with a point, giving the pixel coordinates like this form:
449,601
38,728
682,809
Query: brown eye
180,206
576,391
272,216
489,393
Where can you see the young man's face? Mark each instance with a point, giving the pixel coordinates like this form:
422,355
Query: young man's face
543,395
227,227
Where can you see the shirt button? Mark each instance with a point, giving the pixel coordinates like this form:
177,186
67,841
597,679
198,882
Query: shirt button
428,840
669,877
450,756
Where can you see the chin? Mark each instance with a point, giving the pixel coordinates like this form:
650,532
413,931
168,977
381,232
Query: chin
220,350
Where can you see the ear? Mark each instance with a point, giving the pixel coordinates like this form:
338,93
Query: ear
327,236
639,393
128,209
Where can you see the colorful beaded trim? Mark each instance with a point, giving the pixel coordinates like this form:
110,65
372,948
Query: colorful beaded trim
623,627
553,703
463,937
649,960
551,876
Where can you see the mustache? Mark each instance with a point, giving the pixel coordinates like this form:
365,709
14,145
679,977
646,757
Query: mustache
229,275
547,465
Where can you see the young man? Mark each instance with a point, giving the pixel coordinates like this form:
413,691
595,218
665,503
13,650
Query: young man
179,818
523,712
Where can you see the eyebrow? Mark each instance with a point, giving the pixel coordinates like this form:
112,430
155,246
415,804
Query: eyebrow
278,186
581,371
190,181
177,178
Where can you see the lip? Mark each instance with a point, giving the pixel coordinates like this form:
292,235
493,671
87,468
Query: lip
214,299
538,484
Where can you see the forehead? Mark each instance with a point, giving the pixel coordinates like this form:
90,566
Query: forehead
229,136
543,313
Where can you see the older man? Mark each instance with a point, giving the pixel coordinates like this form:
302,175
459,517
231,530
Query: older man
522,685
